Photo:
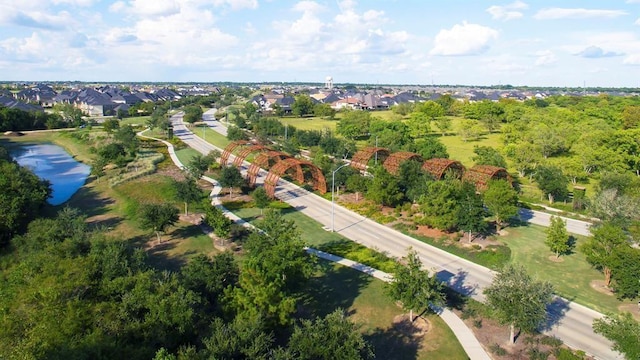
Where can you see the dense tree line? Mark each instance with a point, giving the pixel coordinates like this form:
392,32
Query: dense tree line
19,120
22,197
70,292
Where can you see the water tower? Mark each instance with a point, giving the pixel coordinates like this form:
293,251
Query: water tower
328,82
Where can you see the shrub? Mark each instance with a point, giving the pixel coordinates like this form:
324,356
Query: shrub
566,354
497,349
537,354
551,341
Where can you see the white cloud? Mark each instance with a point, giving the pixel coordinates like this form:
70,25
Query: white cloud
117,6
637,22
577,13
594,52
633,59
545,57
464,39
507,12
308,6
237,4
153,8
633,1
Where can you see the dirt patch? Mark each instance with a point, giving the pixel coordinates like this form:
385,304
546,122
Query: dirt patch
555,259
634,309
194,218
13,133
435,233
226,197
599,286
416,328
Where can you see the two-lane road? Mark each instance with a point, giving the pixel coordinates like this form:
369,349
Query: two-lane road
572,323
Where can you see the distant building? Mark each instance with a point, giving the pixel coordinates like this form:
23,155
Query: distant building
328,83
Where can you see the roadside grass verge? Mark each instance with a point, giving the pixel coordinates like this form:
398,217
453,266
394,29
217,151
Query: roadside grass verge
571,277
364,298
185,155
135,120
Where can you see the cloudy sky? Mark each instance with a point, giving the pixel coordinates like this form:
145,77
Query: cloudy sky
473,42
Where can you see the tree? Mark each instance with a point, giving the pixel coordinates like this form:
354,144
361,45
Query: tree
192,113
631,117
384,188
260,198
303,105
414,287
431,109
209,277
625,267
128,138
324,110
600,247
486,155
22,197
518,300
558,239
419,124
354,124
187,191
444,124
110,125
331,337
231,177
215,218
501,201
157,217
235,133
440,204
623,330
612,205
198,165
469,130
242,338
552,182
471,212
525,157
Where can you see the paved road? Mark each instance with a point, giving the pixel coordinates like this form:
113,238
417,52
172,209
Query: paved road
568,321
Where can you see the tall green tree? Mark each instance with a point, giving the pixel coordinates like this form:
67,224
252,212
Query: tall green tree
558,239
187,191
625,267
600,247
501,201
260,198
331,337
471,212
192,113
414,287
486,155
303,105
623,330
354,124
231,177
440,204
384,188
157,217
519,300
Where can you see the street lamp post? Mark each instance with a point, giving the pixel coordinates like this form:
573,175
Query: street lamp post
333,187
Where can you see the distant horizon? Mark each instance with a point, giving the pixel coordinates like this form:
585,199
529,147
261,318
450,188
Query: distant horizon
546,44
316,83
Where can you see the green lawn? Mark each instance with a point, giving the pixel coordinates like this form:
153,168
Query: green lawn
571,277
312,232
185,155
310,123
211,136
135,120
463,150
364,298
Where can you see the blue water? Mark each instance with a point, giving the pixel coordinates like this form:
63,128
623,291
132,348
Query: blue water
53,163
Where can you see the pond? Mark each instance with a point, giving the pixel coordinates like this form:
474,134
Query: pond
53,163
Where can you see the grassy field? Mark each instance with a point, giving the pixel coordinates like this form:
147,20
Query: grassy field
571,277
364,298
135,120
185,155
463,150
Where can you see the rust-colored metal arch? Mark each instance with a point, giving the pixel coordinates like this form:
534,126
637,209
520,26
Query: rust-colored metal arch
262,161
228,150
438,167
280,168
360,159
480,175
392,163
246,151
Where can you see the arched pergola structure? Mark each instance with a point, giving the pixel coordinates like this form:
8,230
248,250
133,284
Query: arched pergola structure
438,167
281,167
480,175
246,151
263,161
228,150
360,159
392,163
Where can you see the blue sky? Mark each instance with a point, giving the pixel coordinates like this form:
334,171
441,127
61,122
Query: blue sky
473,42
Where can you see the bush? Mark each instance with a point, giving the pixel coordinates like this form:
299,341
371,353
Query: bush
551,341
566,354
497,349
537,354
